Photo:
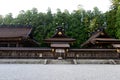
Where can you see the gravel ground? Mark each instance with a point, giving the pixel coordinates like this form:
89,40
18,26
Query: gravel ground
59,72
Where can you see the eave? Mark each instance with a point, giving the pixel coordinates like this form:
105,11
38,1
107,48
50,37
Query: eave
68,40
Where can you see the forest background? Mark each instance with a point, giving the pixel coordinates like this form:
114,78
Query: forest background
79,24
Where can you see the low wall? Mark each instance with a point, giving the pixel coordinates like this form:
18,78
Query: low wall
22,61
93,53
25,54
72,53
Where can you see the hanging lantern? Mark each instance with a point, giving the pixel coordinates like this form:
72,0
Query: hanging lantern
53,50
67,50
118,50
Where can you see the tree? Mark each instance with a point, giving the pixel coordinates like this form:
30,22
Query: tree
1,19
117,25
111,18
78,24
8,19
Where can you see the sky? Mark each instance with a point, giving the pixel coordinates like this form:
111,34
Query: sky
15,6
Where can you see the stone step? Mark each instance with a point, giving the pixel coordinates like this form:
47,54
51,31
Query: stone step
22,61
62,61
95,61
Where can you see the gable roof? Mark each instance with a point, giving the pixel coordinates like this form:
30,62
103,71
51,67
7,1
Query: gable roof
59,36
100,37
12,32
59,33
91,38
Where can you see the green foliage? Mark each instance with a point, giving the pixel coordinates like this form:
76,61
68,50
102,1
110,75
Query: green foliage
117,25
113,19
1,19
78,24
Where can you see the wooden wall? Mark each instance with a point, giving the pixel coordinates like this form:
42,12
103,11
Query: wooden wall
81,54
93,55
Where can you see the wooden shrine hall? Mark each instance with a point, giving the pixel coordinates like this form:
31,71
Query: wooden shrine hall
18,42
60,43
16,37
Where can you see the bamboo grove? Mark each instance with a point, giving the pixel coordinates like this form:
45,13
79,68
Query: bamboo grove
78,24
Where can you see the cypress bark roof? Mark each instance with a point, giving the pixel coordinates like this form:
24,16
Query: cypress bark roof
59,36
12,32
16,33
100,37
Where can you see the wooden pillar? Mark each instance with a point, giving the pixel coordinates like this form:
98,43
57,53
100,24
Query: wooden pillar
75,56
17,44
66,53
53,51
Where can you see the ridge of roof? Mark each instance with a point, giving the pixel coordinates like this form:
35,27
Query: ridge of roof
15,26
95,34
